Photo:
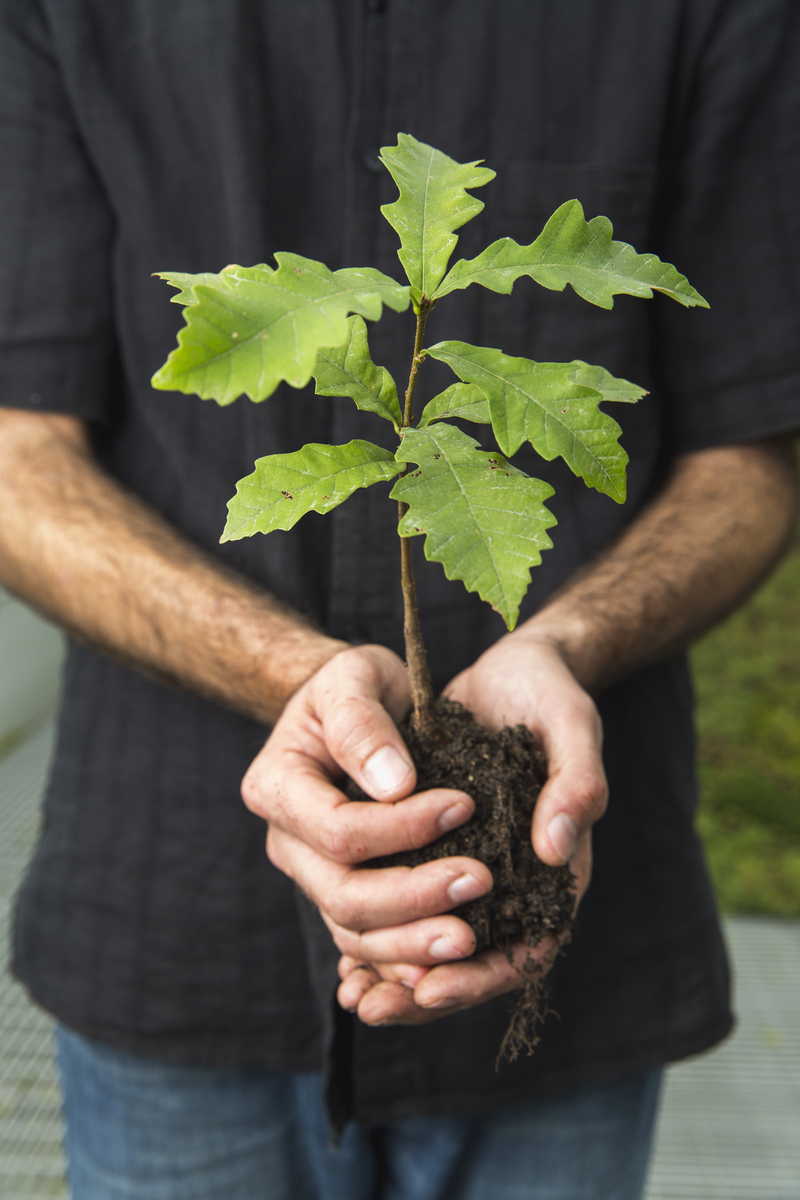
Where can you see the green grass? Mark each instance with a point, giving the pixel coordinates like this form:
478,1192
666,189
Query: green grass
747,675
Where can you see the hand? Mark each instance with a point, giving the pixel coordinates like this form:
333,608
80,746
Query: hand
521,680
343,721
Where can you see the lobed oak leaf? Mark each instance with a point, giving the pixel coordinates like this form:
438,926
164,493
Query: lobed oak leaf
433,203
284,487
484,519
250,328
348,370
572,250
554,406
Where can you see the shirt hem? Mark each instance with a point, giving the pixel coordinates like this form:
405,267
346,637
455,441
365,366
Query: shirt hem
248,1050
589,1074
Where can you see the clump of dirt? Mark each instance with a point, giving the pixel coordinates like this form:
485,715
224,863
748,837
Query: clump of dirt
503,773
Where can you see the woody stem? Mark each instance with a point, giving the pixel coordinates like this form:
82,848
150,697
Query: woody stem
416,657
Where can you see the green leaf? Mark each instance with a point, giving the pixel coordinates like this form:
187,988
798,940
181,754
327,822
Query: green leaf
485,521
186,284
252,327
572,250
432,204
348,370
284,487
459,400
544,403
598,379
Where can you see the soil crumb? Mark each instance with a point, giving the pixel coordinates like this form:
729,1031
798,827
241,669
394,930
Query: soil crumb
503,773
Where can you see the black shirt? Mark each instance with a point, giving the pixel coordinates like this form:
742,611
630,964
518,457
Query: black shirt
142,136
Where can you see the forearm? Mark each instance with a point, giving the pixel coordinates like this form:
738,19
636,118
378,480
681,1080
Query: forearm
712,534
109,569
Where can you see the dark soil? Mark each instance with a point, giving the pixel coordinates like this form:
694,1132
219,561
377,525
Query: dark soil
503,773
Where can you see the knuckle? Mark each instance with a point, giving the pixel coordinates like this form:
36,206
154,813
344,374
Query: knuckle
344,910
413,821
251,791
334,842
592,797
601,797
345,941
274,852
352,666
584,709
417,895
347,725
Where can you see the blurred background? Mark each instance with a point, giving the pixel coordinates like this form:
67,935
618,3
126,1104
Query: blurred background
747,674
31,651
730,1121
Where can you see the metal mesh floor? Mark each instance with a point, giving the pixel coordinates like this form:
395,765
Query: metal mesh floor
730,1122
31,1160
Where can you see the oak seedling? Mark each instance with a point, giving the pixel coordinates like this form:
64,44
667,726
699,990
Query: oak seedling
250,328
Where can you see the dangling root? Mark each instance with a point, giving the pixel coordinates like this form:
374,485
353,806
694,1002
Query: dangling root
530,1007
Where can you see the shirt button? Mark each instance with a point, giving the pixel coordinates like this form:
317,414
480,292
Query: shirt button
371,161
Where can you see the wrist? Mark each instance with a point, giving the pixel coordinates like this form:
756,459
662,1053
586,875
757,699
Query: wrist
286,661
571,637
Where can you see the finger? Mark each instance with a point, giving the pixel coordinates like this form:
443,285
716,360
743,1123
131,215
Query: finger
356,696
363,979
576,791
423,943
445,990
406,973
355,985
364,898
389,1003
347,965
307,805
486,975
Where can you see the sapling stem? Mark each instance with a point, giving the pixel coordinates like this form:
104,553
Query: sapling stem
419,674
425,307
416,658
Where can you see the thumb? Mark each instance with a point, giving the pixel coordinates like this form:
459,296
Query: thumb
355,697
576,792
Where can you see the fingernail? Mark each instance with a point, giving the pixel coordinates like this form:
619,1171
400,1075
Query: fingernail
447,1002
465,888
452,817
442,947
563,833
386,771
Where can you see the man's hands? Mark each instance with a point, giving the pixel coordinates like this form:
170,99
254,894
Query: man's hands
720,522
392,925
111,570
342,722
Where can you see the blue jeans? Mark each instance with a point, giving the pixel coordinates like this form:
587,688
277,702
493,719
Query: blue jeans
143,1130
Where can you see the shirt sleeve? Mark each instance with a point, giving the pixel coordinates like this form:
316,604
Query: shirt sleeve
57,346
731,223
